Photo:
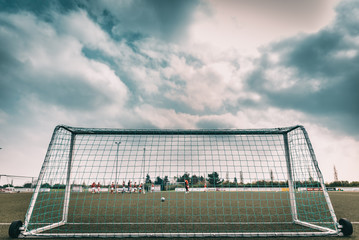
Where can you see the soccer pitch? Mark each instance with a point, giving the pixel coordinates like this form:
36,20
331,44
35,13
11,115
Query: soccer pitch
180,212
196,212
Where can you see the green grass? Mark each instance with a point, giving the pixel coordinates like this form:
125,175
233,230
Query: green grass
178,207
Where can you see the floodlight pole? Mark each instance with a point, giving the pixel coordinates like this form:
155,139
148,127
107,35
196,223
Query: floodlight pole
118,145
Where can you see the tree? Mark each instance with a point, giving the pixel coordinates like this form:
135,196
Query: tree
164,183
184,177
158,180
271,175
27,185
213,179
235,181
148,179
59,186
45,185
194,179
165,180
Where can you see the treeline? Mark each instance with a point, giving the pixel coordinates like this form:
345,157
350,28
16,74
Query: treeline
212,180
343,184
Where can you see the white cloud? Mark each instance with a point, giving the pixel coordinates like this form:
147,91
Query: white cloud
212,85
247,25
346,53
165,118
146,79
52,58
279,78
79,26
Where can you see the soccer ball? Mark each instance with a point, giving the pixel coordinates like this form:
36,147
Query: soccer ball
162,199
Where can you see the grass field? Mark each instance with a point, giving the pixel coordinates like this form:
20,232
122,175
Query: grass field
14,206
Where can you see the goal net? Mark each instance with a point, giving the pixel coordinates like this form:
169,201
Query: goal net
197,183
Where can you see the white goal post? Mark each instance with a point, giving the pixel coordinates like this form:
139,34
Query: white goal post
242,183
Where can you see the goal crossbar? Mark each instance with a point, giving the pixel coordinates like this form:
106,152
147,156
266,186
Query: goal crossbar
116,131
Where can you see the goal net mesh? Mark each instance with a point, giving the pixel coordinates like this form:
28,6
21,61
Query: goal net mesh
100,182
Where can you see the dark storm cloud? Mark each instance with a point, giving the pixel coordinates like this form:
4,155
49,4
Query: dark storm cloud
131,20
323,68
43,9
212,124
173,16
138,19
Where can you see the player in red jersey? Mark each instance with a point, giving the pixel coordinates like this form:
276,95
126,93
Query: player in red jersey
186,185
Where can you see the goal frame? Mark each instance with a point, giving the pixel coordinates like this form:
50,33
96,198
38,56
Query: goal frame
320,230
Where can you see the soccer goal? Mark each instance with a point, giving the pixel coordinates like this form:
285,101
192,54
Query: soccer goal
198,183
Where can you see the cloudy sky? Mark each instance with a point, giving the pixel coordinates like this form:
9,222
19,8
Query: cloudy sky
179,64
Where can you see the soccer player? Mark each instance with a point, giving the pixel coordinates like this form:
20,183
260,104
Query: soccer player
205,187
152,188
140,188
98,187
123,186
186,185
134,187
129,186
93,187
112,187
